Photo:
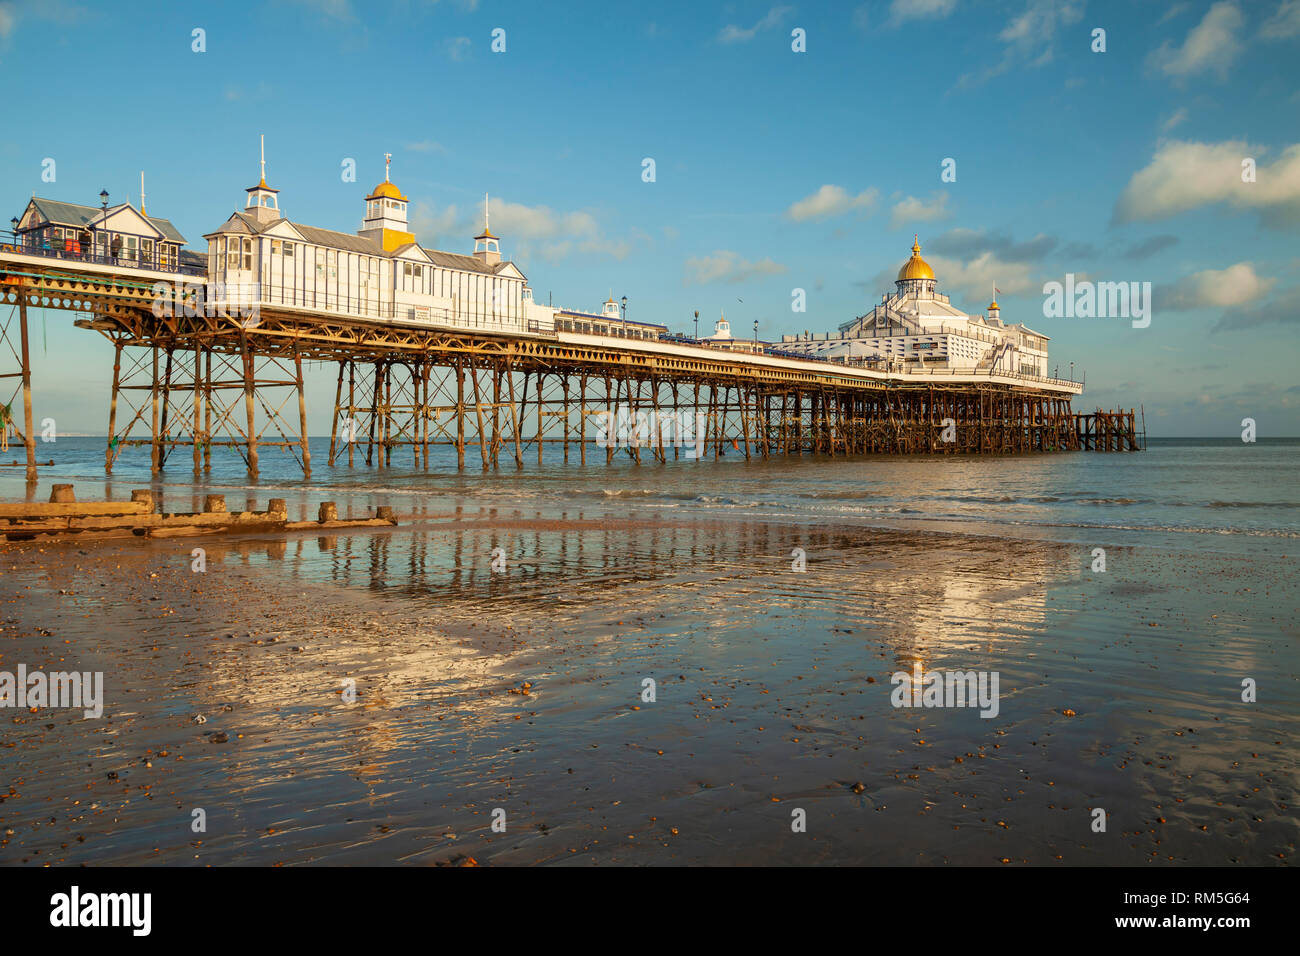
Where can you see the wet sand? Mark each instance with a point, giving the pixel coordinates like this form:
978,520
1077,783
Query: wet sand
522,690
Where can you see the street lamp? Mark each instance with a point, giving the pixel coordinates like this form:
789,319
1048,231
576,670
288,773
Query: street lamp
103,202
624,316
756,332
14,220
697,326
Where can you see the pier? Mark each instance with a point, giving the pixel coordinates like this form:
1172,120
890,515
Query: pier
191,384
431,348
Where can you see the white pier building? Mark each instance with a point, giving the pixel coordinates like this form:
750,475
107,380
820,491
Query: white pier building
381,272
918,328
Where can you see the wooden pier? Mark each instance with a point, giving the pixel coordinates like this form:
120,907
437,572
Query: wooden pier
1110,431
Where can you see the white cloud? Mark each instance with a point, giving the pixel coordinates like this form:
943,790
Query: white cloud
6,20
1178,117
901,11
457,48
431,226
527,230
1185,175
1174,10
540,222
339,10
913,210
426,146
1211,46
727,266
975,278
557,235
830,201
1030,38
1234,286
1284,23
734,34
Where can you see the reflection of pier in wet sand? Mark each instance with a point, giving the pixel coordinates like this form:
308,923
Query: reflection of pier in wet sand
522,689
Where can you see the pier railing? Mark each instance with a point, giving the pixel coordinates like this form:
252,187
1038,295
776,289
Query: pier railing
125,259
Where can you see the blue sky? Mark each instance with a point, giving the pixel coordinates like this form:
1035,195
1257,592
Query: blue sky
774,170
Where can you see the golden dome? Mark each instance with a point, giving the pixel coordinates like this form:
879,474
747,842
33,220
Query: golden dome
915,267
993,306
386,190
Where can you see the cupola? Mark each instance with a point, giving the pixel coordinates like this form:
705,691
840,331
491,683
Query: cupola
386,214
487,247
262,203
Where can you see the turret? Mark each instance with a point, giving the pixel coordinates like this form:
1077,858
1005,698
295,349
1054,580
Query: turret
386,214
262,204
487,247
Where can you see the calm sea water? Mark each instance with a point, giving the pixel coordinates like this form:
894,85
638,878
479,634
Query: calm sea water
1221,494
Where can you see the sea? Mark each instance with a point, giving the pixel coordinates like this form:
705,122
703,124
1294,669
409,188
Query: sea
1216,493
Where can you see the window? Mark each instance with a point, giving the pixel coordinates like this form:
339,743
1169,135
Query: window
248,254
288,250
275,247
418,271
406,269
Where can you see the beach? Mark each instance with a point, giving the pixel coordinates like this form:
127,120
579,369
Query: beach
519,695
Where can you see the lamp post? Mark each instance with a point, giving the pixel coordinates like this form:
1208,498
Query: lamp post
697,326
1071,371
103,203
624,316
14,221
756,333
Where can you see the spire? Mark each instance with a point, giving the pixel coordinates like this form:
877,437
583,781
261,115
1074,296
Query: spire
261,203
487,248
486,233
388,161
142,212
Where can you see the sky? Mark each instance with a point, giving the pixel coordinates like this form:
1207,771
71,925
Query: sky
1111,157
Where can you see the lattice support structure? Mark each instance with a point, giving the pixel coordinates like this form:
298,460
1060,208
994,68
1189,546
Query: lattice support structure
179,394
15,347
